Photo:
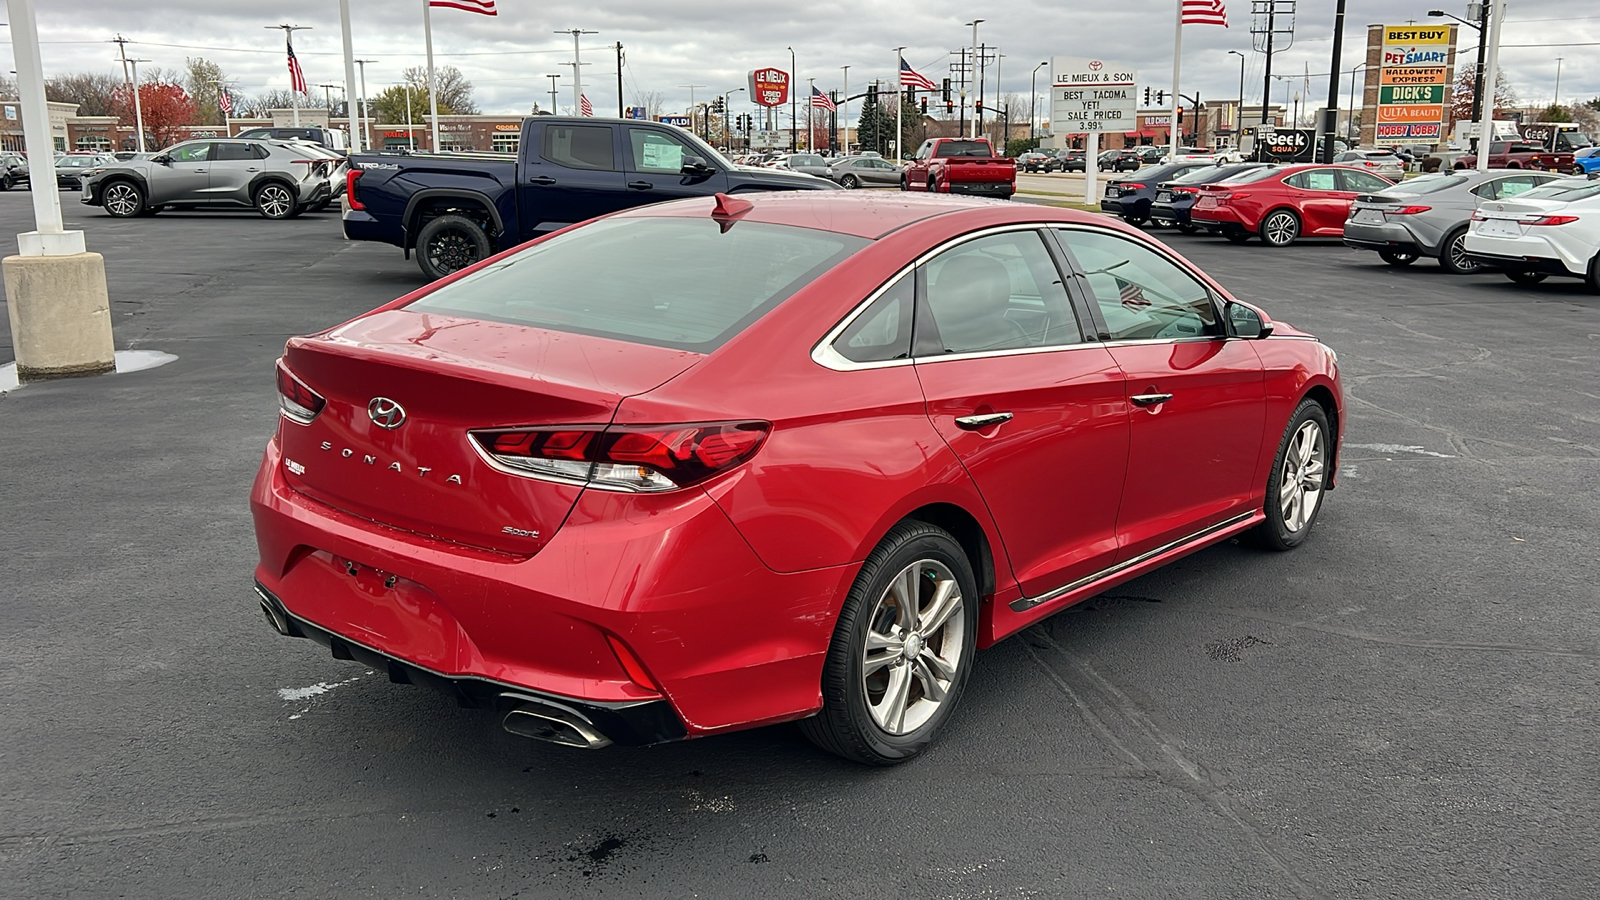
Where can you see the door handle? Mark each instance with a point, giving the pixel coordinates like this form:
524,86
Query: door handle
252,168
1150,399
975,423
542,179
201,169
640,185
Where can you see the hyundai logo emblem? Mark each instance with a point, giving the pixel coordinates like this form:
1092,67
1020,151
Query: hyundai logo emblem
386,413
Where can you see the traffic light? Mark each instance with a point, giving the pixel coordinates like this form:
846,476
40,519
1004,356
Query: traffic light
1146,96
1180,120
979,105
946,92
924,105
872,95
1161,98
716,106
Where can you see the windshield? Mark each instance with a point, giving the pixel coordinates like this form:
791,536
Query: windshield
1566,189
725,279
964,148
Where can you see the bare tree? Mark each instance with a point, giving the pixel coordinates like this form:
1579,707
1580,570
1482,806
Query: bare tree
453,88
8,88
261,105
92,91
652,101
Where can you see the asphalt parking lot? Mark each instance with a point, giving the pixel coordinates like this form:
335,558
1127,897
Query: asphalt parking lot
1404,707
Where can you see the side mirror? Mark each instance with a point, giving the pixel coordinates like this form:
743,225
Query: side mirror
1247,322
694,165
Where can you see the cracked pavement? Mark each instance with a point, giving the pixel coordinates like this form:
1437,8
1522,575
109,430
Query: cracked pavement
1403,707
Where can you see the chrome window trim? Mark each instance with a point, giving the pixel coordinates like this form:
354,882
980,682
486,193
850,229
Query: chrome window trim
1023,604
824,355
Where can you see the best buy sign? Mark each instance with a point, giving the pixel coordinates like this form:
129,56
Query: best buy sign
1411,93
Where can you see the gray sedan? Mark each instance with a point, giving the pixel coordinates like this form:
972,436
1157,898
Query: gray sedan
280,179
865,171
805,163
1428,215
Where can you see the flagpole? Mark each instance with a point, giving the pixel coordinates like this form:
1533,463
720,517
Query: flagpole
1174,127
349,75
433,99
899,101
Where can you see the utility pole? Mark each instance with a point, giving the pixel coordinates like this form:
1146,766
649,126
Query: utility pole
554,111
1558,83
619,79
411,133
361,109
577,72
288,41
122,49
1491,64
138,108
975,23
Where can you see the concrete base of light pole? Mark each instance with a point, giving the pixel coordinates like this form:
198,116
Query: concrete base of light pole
60,315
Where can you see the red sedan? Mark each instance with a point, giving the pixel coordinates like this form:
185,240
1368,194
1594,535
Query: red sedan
1283,203
722,462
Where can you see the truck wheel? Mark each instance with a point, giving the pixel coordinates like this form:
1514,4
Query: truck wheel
905,185
449,244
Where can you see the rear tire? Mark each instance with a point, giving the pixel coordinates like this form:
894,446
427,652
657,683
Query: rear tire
274,200
1453,255
1186,228
1303,459
449,244
1526,278
1397,259
886,694
1592,278
1279,228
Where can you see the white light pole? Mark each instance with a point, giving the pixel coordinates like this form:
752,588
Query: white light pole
288,42
411,133
844,142
138,110
362,107
577,71
349,72
899,103
59,309
974,77
222,88
1491,64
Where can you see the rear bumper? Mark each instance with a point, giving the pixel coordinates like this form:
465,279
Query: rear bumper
983,188
360,225
1218,219
727,642
1544,265
1527,253
1170,212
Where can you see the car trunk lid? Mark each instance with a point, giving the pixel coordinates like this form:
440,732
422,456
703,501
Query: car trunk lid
418,469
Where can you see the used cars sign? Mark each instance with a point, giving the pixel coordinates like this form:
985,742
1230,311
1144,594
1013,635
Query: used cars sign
769,87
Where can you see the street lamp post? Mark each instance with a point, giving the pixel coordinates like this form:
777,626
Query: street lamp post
974,77
844,142
362,109
1033,101
553,110
1350,117
794,120
727,116
1238,125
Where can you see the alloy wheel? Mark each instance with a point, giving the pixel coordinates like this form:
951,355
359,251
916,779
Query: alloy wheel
450,251
274,201
1300,482
1459,260
850,181
915,637
121,199
1280,229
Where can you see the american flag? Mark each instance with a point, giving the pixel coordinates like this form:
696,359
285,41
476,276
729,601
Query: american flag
483,7
1131,294
819,99
225,102
297,78
1204,12
584,106
910,77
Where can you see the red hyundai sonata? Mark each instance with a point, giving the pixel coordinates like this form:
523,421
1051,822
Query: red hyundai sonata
1283,203
717,463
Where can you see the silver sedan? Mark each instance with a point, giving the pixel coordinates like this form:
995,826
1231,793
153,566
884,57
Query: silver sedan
1428,215
865,171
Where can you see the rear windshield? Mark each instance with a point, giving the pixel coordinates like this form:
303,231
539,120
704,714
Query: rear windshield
1208,174
964,148
667,281
1253,175
1426,184
1565,189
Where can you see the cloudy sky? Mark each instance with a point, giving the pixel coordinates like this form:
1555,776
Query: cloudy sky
669,44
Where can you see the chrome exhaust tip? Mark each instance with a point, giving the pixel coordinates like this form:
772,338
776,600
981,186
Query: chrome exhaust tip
542,720
276,616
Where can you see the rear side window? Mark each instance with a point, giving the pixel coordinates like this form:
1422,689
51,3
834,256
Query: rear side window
227,151
883,331
579,146
667,281
1314,180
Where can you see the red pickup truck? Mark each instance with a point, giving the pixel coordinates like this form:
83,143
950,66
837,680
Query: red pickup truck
960,166
1520,155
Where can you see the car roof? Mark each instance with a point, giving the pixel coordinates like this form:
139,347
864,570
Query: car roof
864,214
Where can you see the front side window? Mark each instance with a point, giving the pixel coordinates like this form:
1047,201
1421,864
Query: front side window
197,152
574,283
656,151
579,147
1141,294
1000,292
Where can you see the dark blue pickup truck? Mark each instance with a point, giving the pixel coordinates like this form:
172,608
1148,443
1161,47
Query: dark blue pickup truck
454,209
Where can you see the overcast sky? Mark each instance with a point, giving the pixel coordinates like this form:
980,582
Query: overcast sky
669,44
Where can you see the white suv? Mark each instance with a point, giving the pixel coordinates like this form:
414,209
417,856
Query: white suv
1553,229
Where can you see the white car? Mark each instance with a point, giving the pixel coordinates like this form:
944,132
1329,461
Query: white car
1201,154
1378,162
1553,229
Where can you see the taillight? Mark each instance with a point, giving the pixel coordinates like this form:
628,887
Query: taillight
1407,210
632,458
1551,220
297,402
351,176
1231,195
1133,187
1185,190
1479,217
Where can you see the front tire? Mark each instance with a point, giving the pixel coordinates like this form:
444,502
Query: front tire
901,651
1298,479
849,182
275,201
1397,259
1591,279
1453,258
1280,228
122,199
449,244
